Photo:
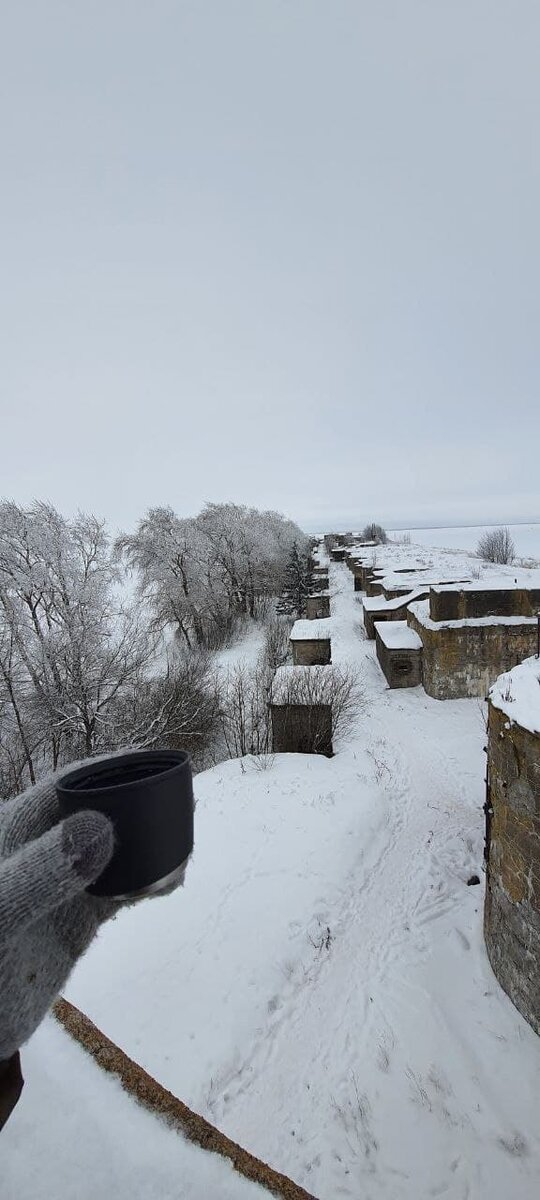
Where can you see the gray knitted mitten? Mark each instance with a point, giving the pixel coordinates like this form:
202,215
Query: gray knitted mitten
47,920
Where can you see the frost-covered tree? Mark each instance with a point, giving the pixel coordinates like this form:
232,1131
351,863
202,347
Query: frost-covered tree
69,647
248,550
374,533
496,546
170,556
296,584
204,574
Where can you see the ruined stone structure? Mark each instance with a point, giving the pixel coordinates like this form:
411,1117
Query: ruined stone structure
310,643
301,710
399,651
319,583
318,606
463,658
376,609
301,728
474,600
512,901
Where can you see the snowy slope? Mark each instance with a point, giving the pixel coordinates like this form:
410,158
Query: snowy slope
75,1135
206,970
526,537
320,987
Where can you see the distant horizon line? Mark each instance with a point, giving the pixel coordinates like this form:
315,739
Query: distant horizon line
443,525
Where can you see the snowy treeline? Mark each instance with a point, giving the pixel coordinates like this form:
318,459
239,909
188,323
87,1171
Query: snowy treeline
82,667
205,574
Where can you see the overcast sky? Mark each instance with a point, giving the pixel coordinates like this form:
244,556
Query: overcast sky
282,252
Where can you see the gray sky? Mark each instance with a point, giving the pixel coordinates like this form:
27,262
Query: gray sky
284,252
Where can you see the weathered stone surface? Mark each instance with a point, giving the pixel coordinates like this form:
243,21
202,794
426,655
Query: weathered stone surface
402,667
512,904
464,660
459,604
317,606
374,585
311,654
301,728
371,615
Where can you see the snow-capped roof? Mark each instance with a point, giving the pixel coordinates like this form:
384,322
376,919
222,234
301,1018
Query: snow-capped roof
311,631
502,584
517,693
421,579
379,604
420,608
396,635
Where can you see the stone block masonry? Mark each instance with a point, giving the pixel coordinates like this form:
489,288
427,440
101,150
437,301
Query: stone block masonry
301,710
317,606
319,583
512,902
463,658
310,643
301,728
457,604
375,609
399,651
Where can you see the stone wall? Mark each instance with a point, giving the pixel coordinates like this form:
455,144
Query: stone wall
311,654
317,607
455,604
362,571
512,903
319,583
402,667
373,585
464,660
386,614
301,728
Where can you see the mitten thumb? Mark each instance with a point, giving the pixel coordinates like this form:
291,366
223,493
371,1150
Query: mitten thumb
53,869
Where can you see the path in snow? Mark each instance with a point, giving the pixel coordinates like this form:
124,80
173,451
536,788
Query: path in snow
394,1073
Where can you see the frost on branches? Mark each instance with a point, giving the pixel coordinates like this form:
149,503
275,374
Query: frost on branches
205,574
77,664
84,670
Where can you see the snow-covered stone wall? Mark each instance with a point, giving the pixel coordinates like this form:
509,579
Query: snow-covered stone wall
512,903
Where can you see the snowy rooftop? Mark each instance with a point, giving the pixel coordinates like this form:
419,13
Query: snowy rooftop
290,682
422,578
379,604
396,635
357,546
501,583
420,608
517,693
311,631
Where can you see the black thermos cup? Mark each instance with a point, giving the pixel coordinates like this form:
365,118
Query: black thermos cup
148,796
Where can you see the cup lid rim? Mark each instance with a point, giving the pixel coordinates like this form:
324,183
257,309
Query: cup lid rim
178,758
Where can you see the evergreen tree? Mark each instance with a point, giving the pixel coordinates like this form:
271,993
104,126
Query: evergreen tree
296,584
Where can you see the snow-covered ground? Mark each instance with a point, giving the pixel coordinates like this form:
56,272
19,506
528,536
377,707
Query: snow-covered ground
526,537
243,652
319,989
75,1135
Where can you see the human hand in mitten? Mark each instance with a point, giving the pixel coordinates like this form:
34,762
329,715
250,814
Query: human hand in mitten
47,919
